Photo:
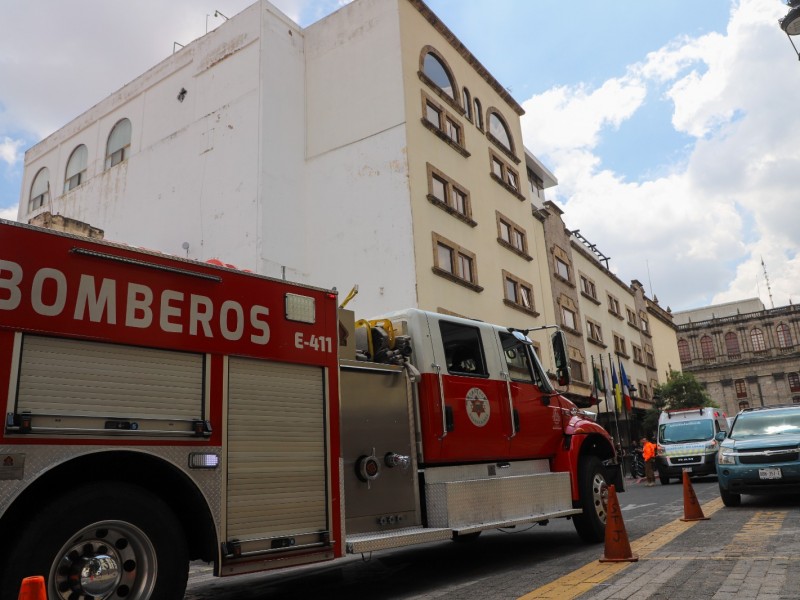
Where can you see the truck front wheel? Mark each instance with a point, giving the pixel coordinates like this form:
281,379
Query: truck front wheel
593,488
101,541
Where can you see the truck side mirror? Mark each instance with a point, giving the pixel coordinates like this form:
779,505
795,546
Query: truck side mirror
721,435
559,341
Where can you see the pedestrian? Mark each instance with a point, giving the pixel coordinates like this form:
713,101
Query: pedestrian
649,456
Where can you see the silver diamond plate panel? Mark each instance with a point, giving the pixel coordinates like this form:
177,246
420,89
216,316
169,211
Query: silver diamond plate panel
370,542
460,504
40,459
482,471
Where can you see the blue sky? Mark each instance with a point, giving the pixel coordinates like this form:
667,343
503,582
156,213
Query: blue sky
670,125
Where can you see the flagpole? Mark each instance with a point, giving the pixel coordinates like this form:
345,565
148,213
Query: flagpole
608,389
625,404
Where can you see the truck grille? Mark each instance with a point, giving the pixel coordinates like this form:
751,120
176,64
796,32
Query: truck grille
758,456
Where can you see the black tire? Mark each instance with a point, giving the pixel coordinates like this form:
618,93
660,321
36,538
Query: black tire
133,533
593,488
730,499
664,479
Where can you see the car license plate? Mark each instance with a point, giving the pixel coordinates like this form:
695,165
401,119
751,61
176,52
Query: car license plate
773,473
687,469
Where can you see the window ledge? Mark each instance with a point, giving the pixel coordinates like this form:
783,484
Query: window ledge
617,315
590,298
441,135
636,327
652,368
622,354
639,362
514,192
451,211
455,279
502,148
514,249
597,342
571,330
440,93
519,307
563,280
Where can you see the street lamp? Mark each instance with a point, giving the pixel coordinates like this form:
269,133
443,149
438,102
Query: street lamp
791,23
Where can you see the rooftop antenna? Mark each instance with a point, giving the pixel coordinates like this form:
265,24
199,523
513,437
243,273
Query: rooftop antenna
649,280
766,278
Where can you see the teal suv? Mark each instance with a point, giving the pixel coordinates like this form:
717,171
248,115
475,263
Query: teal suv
761,454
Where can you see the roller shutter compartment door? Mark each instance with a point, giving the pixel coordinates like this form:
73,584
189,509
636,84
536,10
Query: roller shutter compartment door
276,450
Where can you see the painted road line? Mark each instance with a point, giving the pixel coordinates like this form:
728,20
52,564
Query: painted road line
591,575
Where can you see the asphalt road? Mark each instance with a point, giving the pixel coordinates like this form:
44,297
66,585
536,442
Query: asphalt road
552,562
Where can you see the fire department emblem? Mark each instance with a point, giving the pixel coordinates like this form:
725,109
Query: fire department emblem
477,407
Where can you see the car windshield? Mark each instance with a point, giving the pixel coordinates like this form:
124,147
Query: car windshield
679,432
773,422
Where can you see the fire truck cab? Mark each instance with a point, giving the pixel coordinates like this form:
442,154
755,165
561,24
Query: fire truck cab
160,410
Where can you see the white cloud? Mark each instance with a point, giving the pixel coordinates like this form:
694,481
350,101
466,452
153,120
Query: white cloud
701,230
10,150
9,213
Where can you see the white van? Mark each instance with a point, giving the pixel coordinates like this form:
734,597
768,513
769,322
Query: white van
686,441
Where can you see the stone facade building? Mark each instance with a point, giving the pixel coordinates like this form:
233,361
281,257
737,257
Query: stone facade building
743,353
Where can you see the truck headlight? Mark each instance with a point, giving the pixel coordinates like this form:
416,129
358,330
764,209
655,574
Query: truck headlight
726,457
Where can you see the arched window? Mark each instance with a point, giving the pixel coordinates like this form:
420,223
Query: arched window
435,69
757,339
499,130
467,99
40,190
732,345
707,347
683,351
478,114
76,168
784,336
119,143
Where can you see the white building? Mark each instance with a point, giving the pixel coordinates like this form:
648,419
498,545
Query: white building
369,148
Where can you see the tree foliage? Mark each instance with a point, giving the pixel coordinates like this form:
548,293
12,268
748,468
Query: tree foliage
682,390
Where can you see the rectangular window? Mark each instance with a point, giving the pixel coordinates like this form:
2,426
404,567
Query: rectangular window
576,369
568,318
505,231
445,254
650,358
638,355
562,269
511,235
465,267
518,292
497,168
439,189
463,351
588,287
794,382
741,388
452,130
434,115
460,202
613,306
644,324
504,174
619,345
595,333
449,195
631,317
455,263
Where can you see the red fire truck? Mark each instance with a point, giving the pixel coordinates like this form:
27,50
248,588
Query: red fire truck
161,410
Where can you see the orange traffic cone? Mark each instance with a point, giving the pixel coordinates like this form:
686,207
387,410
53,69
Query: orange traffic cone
618,548
691,507
33,588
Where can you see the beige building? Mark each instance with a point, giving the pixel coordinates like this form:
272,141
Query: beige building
370,148
743,353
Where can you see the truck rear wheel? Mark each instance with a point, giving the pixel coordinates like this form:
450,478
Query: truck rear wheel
593,488
101,541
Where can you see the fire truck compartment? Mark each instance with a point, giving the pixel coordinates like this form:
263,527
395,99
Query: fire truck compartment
277,464
469,498
78,386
